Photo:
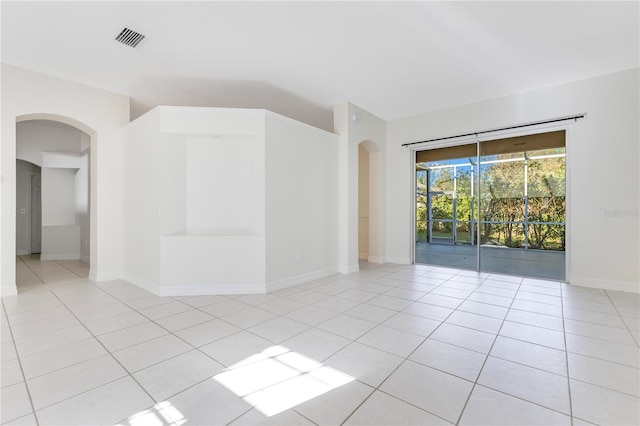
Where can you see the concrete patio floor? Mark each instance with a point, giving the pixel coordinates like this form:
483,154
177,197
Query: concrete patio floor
530,263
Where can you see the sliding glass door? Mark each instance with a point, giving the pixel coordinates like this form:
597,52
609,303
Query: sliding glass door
446,212
513,195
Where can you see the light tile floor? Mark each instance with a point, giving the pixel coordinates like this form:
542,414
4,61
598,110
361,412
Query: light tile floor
390,344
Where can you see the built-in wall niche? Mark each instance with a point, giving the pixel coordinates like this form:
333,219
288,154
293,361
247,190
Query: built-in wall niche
212,214
224,185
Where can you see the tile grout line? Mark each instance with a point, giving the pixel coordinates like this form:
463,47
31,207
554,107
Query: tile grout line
515,362
475,382
101,344
621,319
198,348
311,327
377,388
237,332
566,354
172,333
487,355
55,261
600,359
130,374
109,353
34,272
18,357
33,408
177,355
361,303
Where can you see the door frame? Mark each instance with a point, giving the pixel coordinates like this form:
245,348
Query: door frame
35,220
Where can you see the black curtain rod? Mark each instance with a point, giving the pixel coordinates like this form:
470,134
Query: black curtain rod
536,123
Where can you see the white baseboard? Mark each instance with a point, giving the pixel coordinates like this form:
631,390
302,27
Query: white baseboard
142,283
6,290
399,260
375,259
195,289
211,289
363,256
23,252
349,269
60,256
85,259
104,276
299,279
627,286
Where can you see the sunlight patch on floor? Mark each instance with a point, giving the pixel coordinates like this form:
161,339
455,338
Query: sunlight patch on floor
278,379
162,414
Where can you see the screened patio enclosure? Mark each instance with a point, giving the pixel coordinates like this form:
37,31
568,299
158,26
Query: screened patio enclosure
500,211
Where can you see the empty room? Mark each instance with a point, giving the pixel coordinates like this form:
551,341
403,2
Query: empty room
320,213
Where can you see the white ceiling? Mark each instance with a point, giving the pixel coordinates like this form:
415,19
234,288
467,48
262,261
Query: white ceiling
393,59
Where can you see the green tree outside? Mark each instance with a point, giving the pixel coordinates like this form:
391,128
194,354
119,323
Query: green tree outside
508,195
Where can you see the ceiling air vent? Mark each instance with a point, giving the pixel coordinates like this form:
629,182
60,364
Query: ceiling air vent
129,37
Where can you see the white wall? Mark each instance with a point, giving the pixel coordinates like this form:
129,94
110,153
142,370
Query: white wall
220,182
82,201
227,201
58,196
142,198
301,202
173,205
602,174
60,233
603,153
29,95
194,197
34,137
219,246
60,242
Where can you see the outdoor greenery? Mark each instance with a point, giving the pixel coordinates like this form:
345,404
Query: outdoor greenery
504,198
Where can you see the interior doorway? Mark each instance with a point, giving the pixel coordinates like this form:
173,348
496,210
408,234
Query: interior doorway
36,213
29,208
53,218
495,206
370,203
363,203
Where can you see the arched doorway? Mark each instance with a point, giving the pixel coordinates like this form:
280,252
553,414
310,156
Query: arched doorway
370,203
60,149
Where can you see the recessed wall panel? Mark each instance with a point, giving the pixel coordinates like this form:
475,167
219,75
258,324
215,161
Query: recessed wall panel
219,183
